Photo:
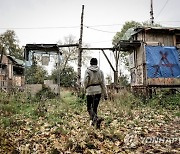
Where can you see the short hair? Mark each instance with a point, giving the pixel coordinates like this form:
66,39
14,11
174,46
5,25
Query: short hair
93,61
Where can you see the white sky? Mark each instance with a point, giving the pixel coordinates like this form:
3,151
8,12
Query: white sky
47,21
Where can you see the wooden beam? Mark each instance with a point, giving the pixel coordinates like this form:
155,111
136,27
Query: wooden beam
2,52
108,61
68,45
98,49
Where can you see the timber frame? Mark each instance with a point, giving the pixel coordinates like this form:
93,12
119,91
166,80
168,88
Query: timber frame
135,46
116,52
47,48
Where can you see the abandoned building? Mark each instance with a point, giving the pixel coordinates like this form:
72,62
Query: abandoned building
154,57
11,73
44,50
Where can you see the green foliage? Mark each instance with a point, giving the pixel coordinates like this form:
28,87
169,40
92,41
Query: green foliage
62,125
68,76
35,74
128,25
9,40
45,93
148,23
165,99
125,27
123,80
118,37
177,114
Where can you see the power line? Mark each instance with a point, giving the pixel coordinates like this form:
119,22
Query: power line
38,27
101,41
162,8
168,21
61,27
99,30
109,25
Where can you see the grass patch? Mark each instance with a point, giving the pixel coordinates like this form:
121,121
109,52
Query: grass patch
177,114
165,100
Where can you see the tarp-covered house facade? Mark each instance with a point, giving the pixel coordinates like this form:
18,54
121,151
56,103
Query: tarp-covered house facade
154,56
11,73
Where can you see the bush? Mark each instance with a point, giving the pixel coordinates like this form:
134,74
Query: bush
166,99
45,93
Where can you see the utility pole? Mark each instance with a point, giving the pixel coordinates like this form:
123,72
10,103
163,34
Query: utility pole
80,50
59,73
151,13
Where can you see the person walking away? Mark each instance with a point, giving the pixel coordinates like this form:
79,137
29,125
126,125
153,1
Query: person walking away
95,87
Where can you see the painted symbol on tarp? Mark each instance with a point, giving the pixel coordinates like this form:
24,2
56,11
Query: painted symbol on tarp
163,62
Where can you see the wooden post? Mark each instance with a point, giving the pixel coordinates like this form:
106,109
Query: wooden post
116,56
2,53
151,13
59,73
80,50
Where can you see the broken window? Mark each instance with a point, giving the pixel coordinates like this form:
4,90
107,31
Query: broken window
3,69
18,70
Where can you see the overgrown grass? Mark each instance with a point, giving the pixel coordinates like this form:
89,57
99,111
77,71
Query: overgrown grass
165,100
64,120
54,110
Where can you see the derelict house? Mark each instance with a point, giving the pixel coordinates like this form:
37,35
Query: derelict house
11,73
154,57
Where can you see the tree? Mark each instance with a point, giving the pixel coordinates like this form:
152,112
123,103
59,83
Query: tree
68,76
148,23
70,54
35,74
125,27
10,41
128,25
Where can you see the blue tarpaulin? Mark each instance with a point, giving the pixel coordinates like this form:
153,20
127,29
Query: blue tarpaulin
162,62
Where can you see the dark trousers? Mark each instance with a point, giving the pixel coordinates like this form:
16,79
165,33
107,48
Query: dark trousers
92,105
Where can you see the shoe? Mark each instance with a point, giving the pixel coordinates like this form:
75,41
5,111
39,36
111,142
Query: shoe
94,121
98,123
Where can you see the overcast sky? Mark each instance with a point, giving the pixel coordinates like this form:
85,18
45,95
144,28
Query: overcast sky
47,21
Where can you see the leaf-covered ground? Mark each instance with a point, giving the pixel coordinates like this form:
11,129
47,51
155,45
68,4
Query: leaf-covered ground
62,126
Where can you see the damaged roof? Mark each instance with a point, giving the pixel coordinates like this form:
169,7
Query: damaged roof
16,61
132,31
127,43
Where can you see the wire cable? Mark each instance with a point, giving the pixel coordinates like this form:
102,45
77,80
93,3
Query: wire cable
100,41
39,27
109,25
58,27
162,9
99,30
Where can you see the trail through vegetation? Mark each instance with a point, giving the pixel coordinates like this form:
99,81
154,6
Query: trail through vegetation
31,125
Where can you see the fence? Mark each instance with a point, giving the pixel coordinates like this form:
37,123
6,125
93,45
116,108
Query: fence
3,84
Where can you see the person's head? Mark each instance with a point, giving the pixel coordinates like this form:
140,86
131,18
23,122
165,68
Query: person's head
93,61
